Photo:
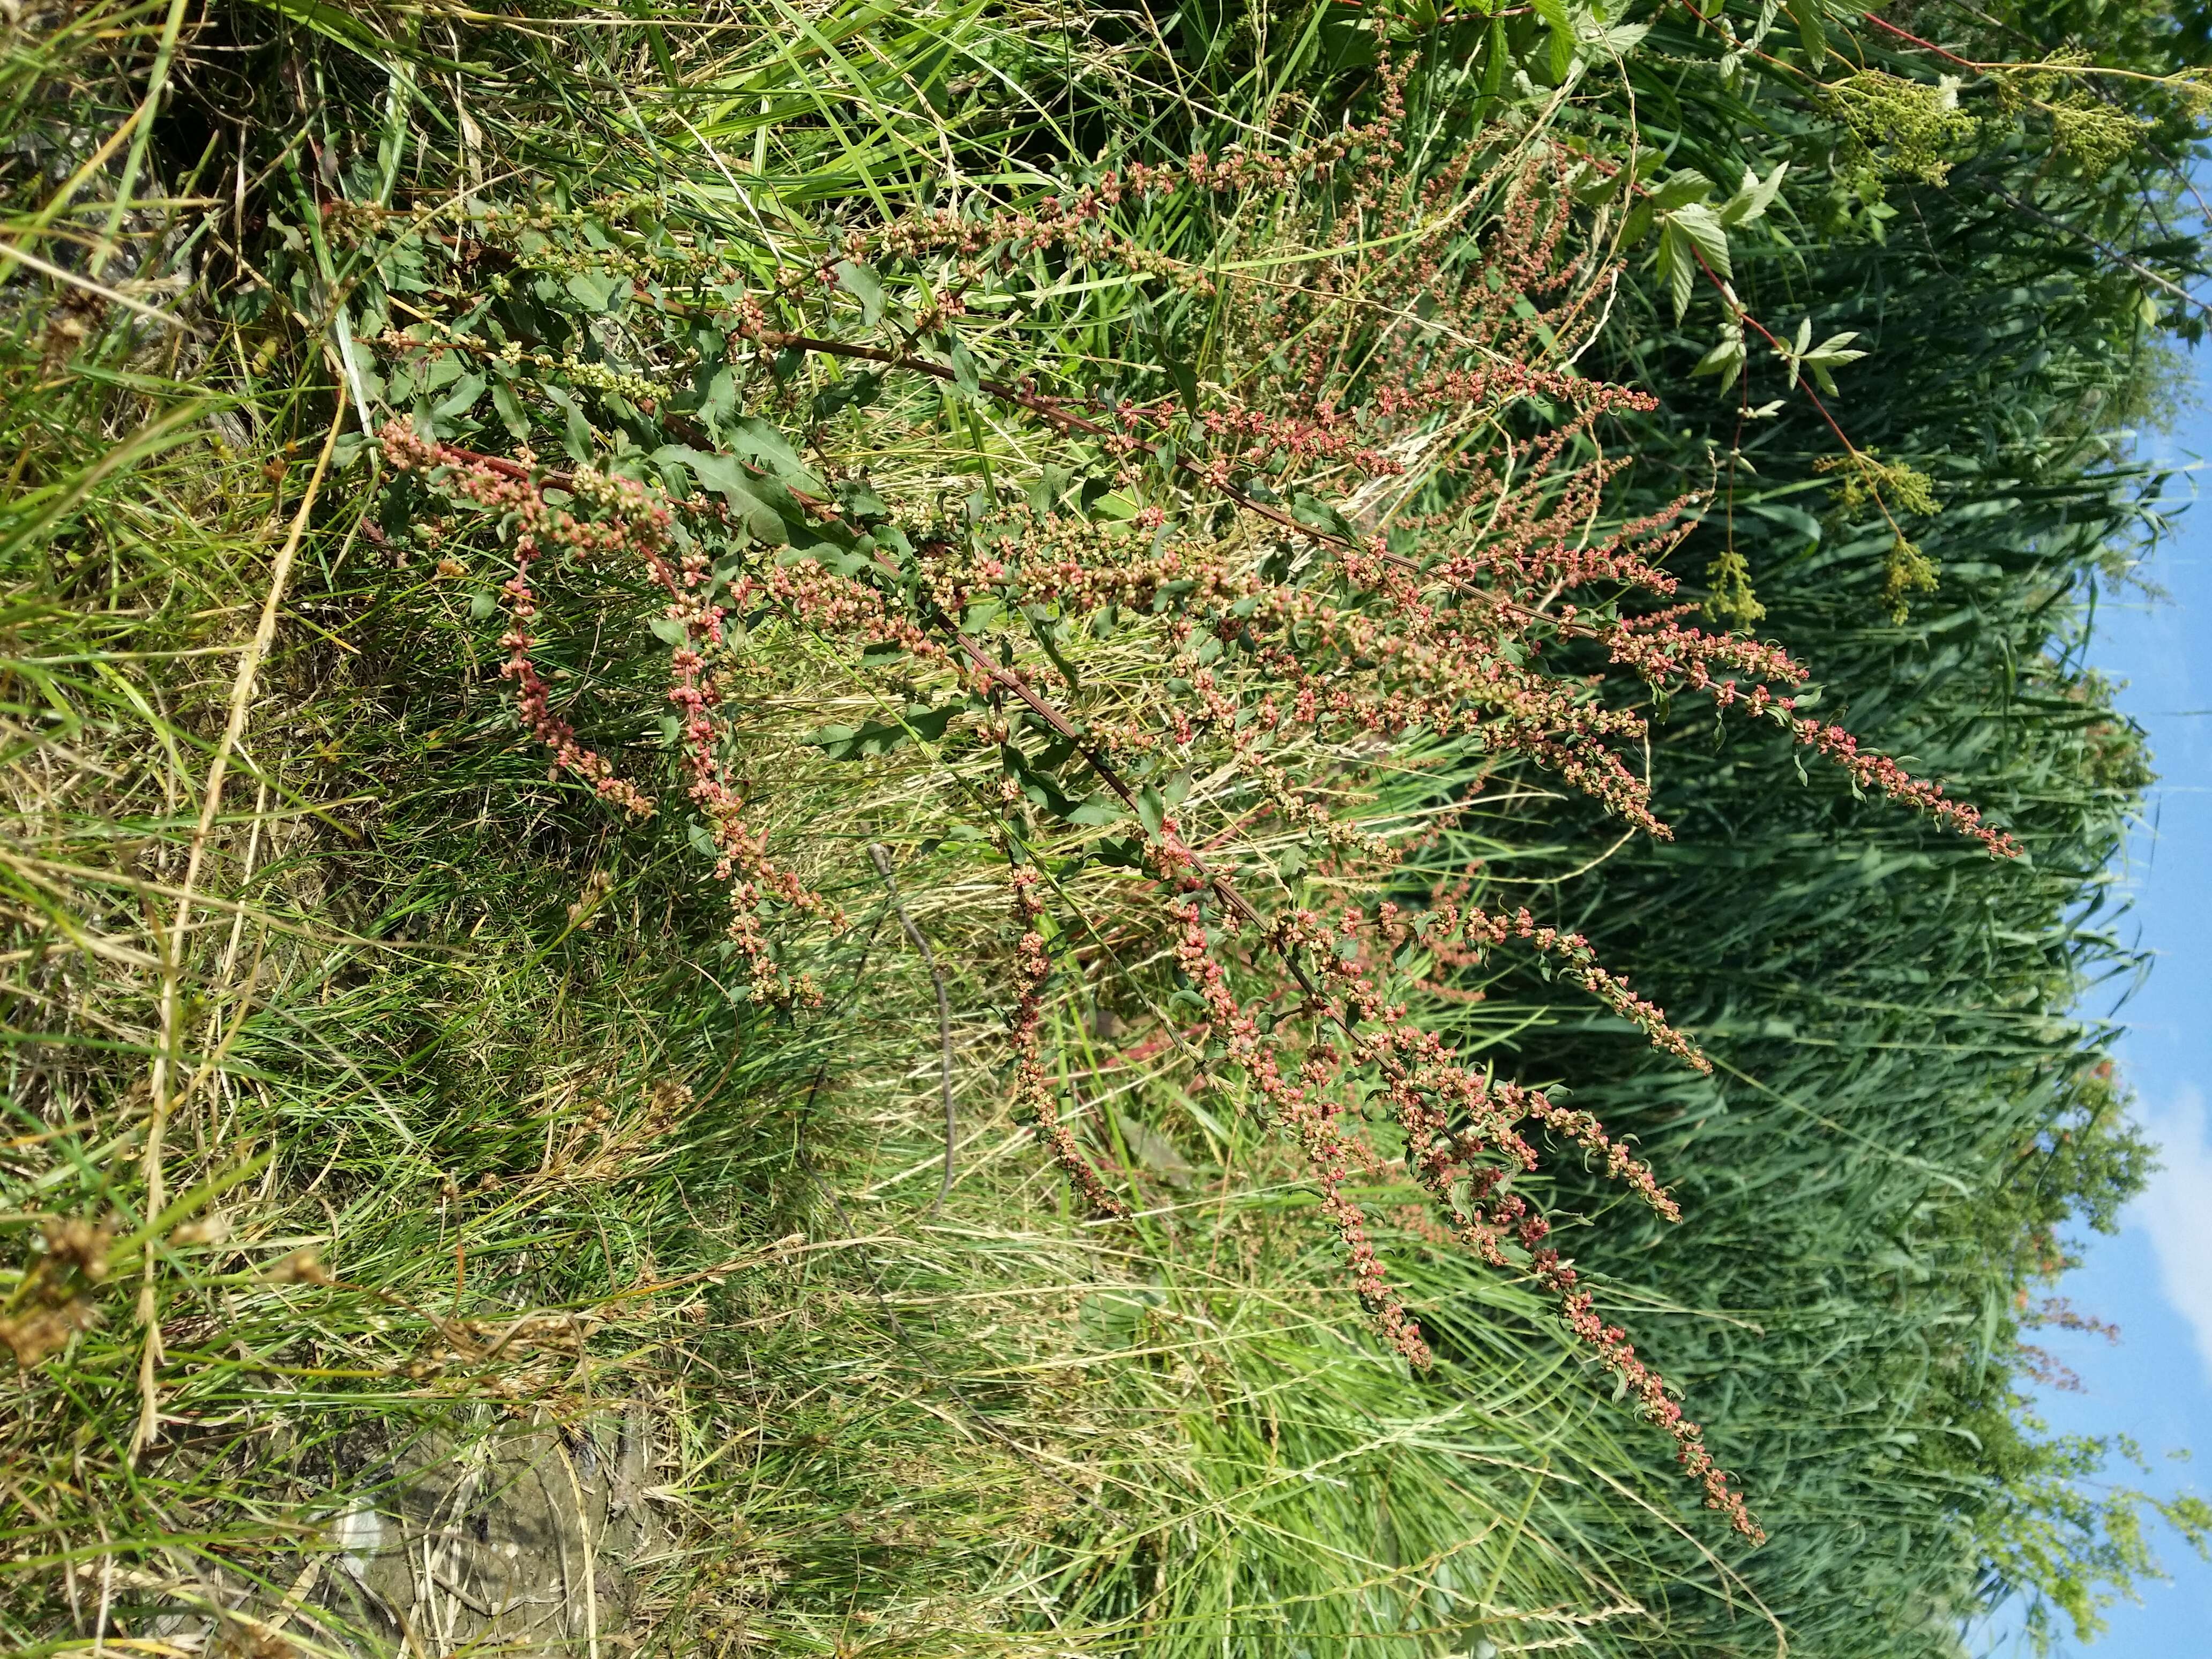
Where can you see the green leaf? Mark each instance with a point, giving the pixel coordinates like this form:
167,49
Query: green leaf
576,433
854,391
1556,17
510,409
1680,189
669,631
445,369
835,741
1687,234
1185,378
719,400
1036,779
765,446
1317,514
864,285
1493,58
964,373
860,500
878,738
461,399
1047,635
1618,41
1151,810
1049,487
1103,808
1676,267
1753,197
1806,14
1726,359
727,478
599,290
1563,52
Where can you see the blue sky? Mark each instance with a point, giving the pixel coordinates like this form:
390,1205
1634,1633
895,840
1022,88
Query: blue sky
2154,1279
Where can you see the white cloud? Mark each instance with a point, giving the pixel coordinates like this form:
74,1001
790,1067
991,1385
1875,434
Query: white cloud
2176,1211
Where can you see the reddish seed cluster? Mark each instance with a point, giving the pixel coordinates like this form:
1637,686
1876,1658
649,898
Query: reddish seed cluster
742,864
1033,1094
1885,776
1458,934
1476,598
500,488
1077,217
1466,1172
635,524
1305,1107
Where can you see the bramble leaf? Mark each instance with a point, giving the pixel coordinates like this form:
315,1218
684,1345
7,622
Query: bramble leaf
1753,197
1726,358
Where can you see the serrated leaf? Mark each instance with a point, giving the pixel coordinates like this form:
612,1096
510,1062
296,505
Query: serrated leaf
1753,197
1617,41
1805,14
1681,189
1691,237
1494,53
1563,36
1676,267
1702,227
1563,52
1726,360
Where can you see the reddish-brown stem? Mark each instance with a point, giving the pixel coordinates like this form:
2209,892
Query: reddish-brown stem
1911,38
